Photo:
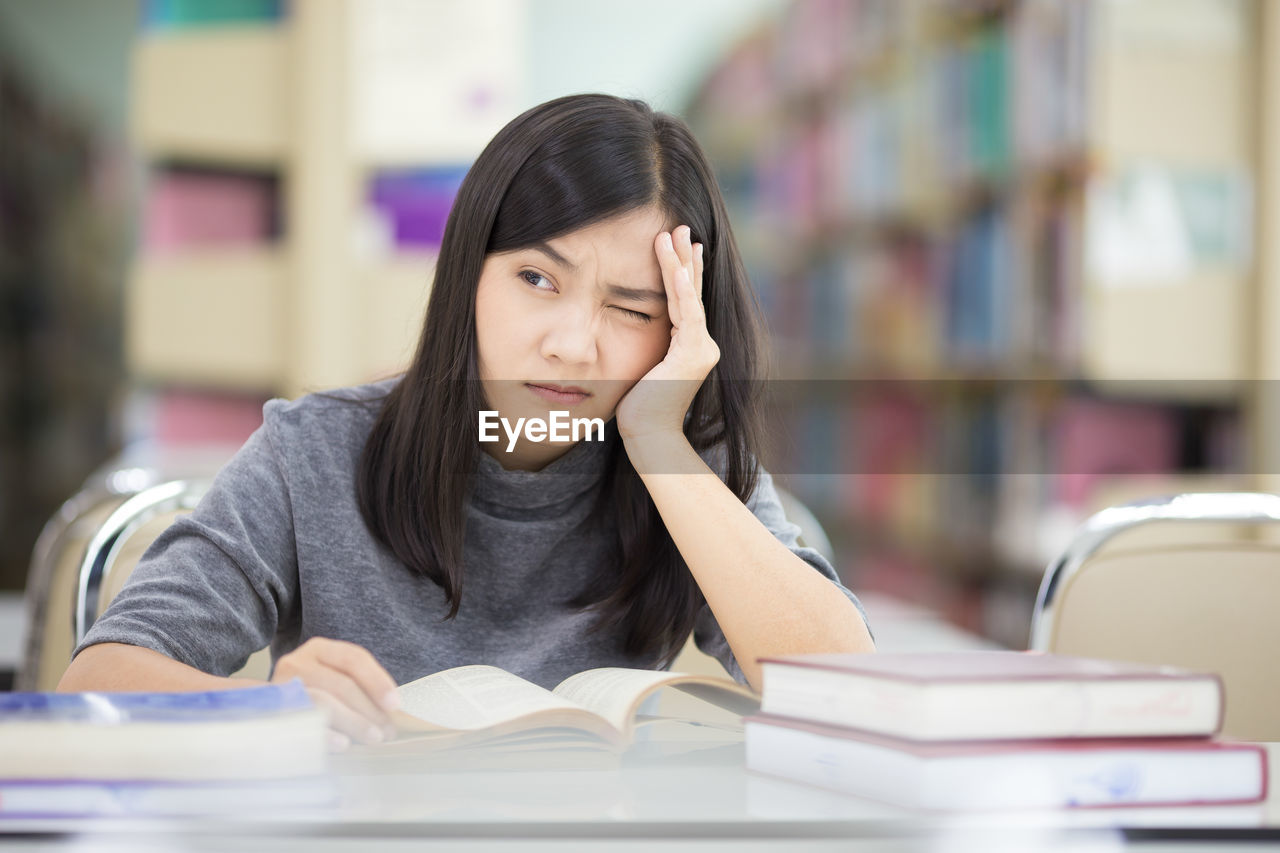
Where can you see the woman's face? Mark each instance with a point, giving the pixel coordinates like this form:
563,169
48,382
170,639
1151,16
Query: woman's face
587,309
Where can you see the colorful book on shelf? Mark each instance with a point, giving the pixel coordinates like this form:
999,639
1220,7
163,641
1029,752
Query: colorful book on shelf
828,333
898,311
271,731
186,417
977,274
988,67
1049,63
1094,440
416,203
992,695
972,441
889,440
197,13
201,209
480,705
1012,775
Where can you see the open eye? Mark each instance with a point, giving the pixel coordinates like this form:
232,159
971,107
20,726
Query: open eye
527,274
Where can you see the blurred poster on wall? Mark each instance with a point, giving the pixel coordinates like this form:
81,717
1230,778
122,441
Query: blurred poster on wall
435,79
1151,225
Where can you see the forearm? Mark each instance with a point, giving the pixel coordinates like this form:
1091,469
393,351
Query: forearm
767,600
123,668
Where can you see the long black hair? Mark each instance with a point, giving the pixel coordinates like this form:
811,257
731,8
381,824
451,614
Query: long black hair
558,167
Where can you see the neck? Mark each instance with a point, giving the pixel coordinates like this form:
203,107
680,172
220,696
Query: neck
526,455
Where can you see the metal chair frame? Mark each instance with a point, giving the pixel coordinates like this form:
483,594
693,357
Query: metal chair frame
1224,507
104,548
106,484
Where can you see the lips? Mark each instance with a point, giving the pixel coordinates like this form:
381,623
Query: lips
563,389
566,395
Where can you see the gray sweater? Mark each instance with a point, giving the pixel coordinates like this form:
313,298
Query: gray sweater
277,552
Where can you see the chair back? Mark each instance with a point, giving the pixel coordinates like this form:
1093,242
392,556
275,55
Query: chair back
50,589
120,543
102,556
53,575
1208,606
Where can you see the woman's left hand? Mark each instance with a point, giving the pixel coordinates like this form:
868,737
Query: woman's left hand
658,402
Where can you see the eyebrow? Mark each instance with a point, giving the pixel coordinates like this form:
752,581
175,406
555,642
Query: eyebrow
545,248
640,294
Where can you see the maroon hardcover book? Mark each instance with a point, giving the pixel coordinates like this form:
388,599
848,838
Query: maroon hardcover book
992,695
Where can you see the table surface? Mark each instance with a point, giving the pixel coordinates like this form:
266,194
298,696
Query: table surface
682,787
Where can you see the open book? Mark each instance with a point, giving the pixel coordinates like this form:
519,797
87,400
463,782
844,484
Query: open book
485,705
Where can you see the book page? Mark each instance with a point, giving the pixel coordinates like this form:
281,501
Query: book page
473,697
614,692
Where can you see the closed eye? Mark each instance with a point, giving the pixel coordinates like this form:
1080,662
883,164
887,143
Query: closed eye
644,318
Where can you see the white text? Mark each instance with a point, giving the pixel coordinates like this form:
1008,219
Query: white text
560,428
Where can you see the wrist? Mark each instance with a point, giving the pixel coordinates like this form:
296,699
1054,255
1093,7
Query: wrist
661,451
651,434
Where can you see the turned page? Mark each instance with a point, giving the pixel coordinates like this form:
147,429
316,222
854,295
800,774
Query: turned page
470,698
615,692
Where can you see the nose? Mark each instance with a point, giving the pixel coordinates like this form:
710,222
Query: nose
571,337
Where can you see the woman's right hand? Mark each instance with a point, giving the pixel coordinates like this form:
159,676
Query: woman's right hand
347,681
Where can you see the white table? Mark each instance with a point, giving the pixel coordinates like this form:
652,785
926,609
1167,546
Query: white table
702,800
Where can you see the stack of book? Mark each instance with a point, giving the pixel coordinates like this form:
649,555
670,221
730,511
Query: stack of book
106,754
997,730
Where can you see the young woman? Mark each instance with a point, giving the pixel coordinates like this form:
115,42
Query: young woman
371,535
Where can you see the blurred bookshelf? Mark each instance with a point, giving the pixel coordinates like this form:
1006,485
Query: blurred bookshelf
62,253
1005,253
301,159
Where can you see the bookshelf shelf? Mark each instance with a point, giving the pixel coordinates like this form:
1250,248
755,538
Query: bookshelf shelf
217,95
395,294
210,318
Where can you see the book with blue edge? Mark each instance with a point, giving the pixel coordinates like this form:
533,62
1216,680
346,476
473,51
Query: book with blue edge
272,731
70,798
